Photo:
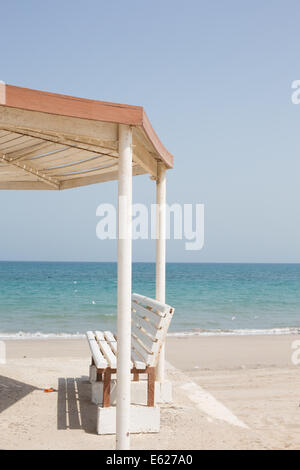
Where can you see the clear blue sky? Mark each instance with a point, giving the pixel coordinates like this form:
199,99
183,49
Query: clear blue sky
215,79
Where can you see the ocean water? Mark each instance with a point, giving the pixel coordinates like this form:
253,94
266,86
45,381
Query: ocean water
70,298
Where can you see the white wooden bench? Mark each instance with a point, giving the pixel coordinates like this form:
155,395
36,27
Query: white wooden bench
150,323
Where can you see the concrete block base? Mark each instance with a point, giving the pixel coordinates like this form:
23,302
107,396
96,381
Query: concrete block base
163,392
93,374
143,419
97,392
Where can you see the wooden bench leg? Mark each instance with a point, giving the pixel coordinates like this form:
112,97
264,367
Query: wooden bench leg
136,376
106,388
151,386
99,376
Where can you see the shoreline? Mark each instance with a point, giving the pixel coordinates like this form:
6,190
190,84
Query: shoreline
176,334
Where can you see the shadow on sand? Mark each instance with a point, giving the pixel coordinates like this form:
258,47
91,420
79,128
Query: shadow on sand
12,391
74,407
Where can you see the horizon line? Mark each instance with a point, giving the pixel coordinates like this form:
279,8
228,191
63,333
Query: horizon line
152,262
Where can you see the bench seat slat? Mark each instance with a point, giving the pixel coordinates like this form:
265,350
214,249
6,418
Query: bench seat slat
110,338
112,341
106,349
99,359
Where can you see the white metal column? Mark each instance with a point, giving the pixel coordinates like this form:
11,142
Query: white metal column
124,287
161,254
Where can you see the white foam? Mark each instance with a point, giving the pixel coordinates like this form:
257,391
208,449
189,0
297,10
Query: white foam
38,335
271,331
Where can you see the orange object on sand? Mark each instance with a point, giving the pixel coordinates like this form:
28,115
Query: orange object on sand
48,390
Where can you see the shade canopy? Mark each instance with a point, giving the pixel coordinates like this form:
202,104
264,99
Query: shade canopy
52,141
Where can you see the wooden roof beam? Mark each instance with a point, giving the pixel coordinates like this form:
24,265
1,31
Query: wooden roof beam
101,178
34,151
25,185
33,171
144,158
60,139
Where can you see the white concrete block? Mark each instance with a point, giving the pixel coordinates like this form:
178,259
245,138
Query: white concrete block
93,374
138,393
97,392
143,419
163,392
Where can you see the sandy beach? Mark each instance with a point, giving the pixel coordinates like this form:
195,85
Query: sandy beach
235,392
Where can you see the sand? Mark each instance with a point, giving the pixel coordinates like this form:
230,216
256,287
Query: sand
236,392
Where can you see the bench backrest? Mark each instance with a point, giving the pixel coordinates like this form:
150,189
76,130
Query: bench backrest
150,323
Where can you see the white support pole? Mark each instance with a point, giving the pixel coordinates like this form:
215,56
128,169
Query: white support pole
161,254
124,288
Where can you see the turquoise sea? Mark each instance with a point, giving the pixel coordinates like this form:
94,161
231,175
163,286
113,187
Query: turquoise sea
70,298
